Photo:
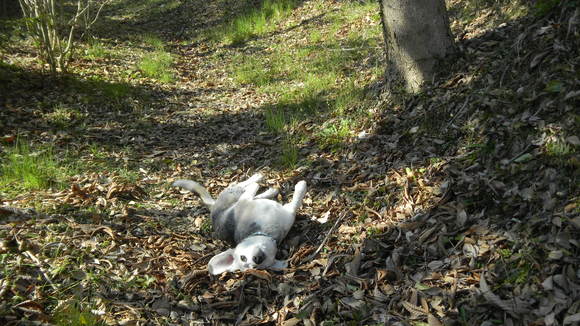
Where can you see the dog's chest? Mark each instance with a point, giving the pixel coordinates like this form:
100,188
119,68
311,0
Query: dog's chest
237,223
233,229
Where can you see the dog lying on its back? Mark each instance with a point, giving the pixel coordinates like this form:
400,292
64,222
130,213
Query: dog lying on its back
254,224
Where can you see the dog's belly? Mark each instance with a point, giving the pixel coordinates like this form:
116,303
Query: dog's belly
264,216
249,217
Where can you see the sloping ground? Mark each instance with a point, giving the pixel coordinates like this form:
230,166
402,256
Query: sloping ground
504,125
456,206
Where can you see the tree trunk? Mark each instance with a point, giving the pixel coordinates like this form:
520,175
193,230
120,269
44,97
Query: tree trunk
416,34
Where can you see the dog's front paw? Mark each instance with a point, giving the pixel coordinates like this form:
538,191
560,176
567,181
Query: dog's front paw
279,265
300,186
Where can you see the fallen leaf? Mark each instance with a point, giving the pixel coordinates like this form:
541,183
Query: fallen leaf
508,306
574,140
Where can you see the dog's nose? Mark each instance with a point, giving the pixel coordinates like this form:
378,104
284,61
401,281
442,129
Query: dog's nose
259,258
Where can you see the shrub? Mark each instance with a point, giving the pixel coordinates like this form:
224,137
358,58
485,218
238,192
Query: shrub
53,27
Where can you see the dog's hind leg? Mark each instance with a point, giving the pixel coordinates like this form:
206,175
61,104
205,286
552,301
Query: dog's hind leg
234,192
253,179
250,192
268,194
299,192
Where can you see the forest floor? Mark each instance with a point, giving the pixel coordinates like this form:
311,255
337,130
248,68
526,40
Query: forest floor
456,206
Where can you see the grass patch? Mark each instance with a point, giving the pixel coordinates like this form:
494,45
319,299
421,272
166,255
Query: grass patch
558,148
74,314
560,153
25,168
503,10
63,117
96,50
315,36
99,90
349,96
128,176
252,70
353,11
334,134
275,119
320,79
289,153
153,41
157,65
543,7
254,22
116,91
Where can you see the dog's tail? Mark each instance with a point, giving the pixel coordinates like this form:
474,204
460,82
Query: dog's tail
195,187
299,192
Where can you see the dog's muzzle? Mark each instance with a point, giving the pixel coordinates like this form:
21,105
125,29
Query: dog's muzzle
259,258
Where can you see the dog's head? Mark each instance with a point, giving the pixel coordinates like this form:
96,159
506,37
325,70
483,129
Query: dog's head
256,252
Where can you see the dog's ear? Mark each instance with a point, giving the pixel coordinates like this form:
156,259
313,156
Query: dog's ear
223,262
279,265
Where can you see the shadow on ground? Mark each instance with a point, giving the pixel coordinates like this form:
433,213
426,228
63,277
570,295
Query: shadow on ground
170,19
452,189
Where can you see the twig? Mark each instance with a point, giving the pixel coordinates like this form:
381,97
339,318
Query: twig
459,113
503,75
331,261
42,271
515,157
200,259
370,210
338,220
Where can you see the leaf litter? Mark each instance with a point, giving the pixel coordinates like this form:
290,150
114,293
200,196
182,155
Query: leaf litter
455,208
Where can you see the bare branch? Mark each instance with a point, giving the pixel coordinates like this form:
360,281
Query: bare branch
54,33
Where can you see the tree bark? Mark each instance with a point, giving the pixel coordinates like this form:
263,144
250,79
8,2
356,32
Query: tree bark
416,35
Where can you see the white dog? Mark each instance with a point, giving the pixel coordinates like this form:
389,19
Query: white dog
255,224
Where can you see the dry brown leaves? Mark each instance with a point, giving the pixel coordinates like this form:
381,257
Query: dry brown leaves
454,209
96,191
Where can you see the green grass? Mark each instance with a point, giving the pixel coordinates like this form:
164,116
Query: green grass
152,9
74,314
289,153
154,41
275,119
560,153
308,79
252,70
350,96
157,65
315,36
335,134
63,116
116,91
350,13
254,22
96,50
206,226
25,168
542,7
99,90
128,176
558,148
465,12
317,79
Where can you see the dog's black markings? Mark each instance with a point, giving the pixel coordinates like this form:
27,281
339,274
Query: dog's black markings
255,229
225,226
